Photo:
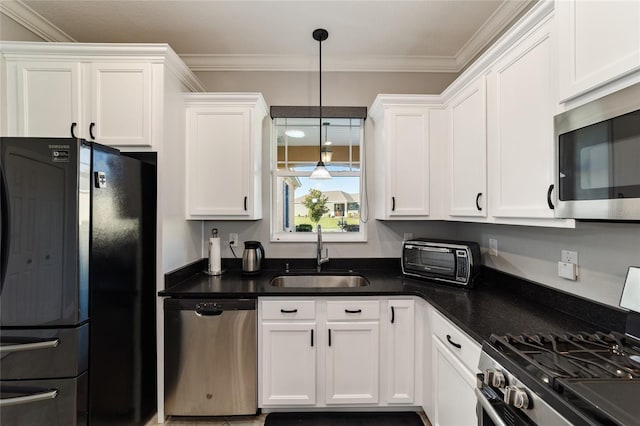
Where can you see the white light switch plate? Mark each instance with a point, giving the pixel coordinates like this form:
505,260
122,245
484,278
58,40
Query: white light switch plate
493,247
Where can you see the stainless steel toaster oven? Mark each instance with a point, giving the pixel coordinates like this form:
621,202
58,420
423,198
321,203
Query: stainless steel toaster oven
449,262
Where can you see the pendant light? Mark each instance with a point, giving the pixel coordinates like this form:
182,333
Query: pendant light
326,153
320,172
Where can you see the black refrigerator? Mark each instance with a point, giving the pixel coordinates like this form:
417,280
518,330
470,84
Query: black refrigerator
77,283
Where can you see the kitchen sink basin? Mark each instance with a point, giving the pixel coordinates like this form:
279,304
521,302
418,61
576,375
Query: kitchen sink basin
319,281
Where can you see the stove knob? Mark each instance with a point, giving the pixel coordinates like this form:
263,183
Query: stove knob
516,397
498,380
494,378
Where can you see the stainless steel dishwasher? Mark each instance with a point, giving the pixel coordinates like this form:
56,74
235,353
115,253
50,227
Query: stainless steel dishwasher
210,357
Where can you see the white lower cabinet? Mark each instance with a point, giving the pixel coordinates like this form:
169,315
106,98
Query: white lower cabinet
455,361
289,358
337,352
352,362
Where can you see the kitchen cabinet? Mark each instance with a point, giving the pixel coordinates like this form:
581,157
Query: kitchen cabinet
107,102
224,155
521,106
455,360
335,351
289,352
352,354
598,42
400,345
467,151
403,156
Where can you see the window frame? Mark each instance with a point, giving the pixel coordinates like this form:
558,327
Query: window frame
275,174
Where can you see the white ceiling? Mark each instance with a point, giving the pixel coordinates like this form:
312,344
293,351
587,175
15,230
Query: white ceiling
375,35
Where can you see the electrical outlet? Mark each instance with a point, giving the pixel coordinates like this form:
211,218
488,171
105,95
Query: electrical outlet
407,236
233,239
569,257
493,247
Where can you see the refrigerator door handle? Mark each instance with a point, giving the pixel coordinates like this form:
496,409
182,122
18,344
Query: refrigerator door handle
5,231
16,347
34,397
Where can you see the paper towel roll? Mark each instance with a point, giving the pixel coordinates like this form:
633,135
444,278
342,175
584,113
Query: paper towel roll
215,265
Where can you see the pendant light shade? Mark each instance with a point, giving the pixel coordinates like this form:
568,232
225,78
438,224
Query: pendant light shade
320,172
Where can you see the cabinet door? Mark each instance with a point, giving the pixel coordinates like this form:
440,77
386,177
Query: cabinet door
400,351
467,153
219,165
289,363
521,90
407,142
121,104
599,41
43,99
352,359
455,400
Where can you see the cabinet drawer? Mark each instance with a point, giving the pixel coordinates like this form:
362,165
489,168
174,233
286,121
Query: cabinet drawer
288,309
451,337
353,310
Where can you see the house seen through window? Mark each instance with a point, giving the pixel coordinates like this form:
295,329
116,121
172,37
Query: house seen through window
300,204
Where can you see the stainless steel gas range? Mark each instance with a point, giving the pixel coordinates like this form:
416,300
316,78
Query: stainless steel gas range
568,379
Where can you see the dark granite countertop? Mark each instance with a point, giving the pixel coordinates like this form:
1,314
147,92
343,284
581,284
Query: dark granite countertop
498,304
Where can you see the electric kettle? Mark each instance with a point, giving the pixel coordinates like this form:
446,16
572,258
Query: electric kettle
252,257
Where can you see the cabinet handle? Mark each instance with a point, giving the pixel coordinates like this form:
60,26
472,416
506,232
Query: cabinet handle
73,127
393,315
356,311
91,126
549,202
311,337
454,344
329,337
245,204
288,311
393,204
478,201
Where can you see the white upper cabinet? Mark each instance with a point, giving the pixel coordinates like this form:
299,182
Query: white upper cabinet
402,156
467,151
521,105
599,41
121,104
43,98
224,155
57,94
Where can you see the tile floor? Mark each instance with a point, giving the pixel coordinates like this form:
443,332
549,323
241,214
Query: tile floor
231,421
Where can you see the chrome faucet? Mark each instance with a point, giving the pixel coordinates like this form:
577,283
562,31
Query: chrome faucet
321,259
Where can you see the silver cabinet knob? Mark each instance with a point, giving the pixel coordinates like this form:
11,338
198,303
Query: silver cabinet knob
516,397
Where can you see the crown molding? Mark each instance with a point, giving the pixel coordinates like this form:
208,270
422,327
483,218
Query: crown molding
32,21
329,63
497,22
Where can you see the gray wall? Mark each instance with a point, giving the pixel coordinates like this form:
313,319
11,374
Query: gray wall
339,89
605,249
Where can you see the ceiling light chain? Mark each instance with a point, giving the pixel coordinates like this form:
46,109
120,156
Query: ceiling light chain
320,172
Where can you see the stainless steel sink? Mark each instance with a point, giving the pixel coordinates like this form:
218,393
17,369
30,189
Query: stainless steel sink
319,281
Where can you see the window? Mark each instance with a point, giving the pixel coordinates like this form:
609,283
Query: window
301,204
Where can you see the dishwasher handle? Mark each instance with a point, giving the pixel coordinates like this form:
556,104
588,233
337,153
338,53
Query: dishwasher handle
208,309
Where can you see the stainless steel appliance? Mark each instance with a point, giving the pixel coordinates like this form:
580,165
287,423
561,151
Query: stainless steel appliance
210,357
569,379
448,262
252,257
77,337
597,152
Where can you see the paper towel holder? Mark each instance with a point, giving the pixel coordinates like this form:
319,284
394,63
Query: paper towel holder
210,268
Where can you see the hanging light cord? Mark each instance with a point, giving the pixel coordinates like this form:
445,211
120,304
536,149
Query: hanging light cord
320,95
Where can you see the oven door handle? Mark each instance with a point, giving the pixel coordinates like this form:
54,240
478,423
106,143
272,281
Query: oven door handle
37,344
488,408
34,397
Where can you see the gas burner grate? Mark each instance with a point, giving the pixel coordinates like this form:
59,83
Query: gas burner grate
581,355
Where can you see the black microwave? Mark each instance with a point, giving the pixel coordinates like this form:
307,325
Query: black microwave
598,158
445,261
